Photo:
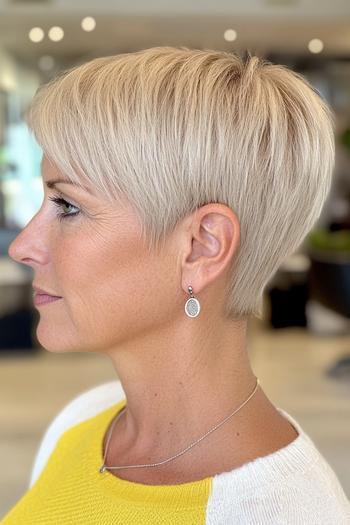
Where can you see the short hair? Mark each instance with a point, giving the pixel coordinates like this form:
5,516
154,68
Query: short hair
173,128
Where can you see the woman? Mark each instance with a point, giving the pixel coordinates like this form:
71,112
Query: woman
181,179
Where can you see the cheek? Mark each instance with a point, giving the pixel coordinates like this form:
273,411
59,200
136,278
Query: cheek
120,291
113,289
124,296
97,275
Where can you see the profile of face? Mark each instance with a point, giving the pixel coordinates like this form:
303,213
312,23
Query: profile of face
89,252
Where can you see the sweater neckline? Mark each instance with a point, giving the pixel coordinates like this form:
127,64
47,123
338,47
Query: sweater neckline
188,495
295,458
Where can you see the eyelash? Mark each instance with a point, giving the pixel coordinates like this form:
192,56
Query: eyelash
59,202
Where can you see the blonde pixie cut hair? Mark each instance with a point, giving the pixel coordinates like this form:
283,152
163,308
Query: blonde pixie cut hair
172,129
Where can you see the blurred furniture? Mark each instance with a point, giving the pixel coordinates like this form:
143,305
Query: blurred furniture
17,315
288,293
329,284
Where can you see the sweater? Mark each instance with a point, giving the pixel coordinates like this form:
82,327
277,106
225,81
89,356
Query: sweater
294,485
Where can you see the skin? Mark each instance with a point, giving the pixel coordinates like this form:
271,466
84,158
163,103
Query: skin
181,376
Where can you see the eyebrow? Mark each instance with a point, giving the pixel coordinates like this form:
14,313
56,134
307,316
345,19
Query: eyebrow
52,183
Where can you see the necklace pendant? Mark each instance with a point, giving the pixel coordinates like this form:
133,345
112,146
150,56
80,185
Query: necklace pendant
103,468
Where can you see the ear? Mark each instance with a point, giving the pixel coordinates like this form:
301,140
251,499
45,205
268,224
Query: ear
213,239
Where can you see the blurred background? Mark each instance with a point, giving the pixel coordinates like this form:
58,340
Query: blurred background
300,350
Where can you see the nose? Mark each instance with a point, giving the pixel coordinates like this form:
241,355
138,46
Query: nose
14,247
28,246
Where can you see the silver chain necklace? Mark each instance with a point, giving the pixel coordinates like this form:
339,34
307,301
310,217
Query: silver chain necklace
105,467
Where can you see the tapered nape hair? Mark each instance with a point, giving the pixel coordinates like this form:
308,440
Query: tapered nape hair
171,129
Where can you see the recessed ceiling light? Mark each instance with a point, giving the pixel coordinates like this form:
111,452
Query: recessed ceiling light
88,23
315,45
36,34
56,33
46,63
230,35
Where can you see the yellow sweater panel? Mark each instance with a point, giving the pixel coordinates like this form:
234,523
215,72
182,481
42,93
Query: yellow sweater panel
71,490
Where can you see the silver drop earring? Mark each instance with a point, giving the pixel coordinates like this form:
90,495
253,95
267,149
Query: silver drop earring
192,306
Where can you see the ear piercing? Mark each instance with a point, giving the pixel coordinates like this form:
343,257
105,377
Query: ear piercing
192,306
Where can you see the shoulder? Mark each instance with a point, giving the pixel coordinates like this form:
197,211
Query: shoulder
312,497
295,484
321,496
85,405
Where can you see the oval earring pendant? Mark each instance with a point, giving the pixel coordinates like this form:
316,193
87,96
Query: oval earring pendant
192,307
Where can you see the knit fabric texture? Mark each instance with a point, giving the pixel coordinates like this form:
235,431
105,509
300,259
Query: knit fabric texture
294,485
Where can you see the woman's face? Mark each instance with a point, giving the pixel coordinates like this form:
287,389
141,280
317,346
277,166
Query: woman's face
112,290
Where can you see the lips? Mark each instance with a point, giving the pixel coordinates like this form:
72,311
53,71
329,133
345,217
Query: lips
41,291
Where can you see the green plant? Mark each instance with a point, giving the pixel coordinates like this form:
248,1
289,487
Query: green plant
330,241
345,138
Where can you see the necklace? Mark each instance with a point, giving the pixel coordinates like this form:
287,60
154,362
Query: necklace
105,467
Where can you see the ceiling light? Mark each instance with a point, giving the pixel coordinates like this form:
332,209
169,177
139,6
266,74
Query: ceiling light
88,23
315,45
230,35
56,33
46,63
36,34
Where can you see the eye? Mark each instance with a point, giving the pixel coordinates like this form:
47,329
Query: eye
60,203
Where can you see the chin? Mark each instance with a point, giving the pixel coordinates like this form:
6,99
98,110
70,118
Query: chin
48,340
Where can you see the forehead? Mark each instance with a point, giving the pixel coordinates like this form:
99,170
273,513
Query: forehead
57,177
49,167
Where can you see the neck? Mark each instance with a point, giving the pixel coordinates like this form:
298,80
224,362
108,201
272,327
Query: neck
178,391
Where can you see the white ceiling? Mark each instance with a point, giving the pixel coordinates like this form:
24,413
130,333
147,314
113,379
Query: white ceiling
263,26
205,7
